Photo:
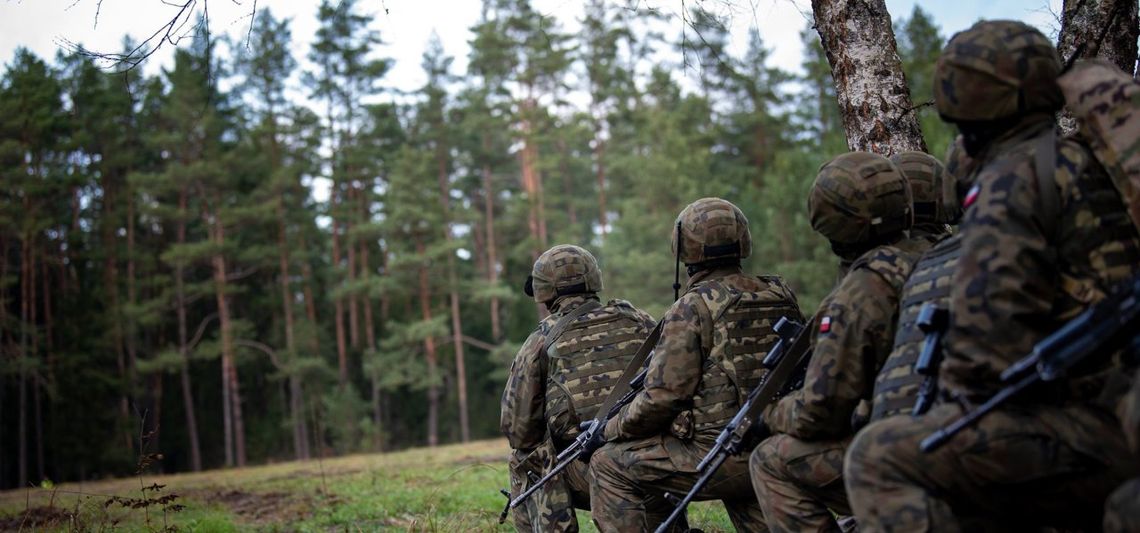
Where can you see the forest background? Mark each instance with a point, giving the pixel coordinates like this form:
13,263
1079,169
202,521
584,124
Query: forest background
170,282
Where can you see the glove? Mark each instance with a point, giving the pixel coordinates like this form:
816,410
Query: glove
592,436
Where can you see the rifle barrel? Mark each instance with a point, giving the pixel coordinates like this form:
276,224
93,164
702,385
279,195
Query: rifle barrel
706,476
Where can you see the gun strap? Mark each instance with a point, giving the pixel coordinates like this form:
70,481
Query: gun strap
775,379
565,320
631,370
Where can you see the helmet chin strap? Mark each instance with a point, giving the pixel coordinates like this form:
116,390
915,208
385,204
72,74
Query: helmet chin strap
677,266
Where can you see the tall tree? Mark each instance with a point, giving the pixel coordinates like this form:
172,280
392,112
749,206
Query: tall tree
874,100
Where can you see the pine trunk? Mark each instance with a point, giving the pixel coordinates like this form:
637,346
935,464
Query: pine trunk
22,425
183,341
453,294
600,171
489,227
429,351
229,368
350,244
338,307
874,100
295,401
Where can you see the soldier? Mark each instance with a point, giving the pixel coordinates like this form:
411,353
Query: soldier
1044,235
708,359
926,176
897,384
1123,508
862,204
560,377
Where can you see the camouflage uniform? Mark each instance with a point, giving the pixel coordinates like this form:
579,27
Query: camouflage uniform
897,384
797,472
1122,511
1051,456
929,188
556,383
707,359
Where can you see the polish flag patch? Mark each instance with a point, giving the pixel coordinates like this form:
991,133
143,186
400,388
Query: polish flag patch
825,324
971,196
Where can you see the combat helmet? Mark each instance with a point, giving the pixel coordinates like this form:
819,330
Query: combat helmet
859,200
997,70
960,177
710,229
931,187
563,270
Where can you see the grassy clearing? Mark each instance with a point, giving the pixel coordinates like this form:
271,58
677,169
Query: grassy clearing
450,488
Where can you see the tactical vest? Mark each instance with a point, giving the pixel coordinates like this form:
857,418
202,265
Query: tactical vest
737,334
896,386
585,361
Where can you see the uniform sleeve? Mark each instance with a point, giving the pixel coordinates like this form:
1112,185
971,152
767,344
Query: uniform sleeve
853,335
672,378
1004,286
521,419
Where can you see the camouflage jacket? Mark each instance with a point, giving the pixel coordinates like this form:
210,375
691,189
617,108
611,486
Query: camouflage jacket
853,332
1014,283
676,380
523,416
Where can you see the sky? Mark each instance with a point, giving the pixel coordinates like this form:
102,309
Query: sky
44,26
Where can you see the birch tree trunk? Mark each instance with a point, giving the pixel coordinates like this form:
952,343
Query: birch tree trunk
874,100
1083,22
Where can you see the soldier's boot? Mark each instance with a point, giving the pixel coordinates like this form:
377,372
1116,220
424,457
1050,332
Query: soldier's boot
799,483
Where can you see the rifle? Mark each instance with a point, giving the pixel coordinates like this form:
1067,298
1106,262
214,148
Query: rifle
617,399
932,320
1100,330
783,361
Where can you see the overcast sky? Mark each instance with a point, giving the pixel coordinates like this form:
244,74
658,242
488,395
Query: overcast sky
406,25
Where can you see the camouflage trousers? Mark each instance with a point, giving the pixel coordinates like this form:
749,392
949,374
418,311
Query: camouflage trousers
1019,467
551,508
799,483
630,479
1122,511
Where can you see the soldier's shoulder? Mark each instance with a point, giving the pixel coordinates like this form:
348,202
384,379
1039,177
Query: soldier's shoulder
891,262
627,309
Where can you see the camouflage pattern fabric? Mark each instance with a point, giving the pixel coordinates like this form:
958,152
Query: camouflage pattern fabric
1014,285
897,384
1106,101
858,198
926,175
796,473
1053,456
562,270
1122,511
709,229
538,410
693,378
631,477
1020,468
996,70
800,483
853,334
551,508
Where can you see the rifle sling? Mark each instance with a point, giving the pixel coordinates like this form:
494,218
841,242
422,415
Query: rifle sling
631,370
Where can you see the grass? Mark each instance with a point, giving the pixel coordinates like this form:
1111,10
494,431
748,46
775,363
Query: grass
449,488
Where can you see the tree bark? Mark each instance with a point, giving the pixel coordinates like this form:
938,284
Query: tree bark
338,305
874,100
1083,22
429,350
22,424
295,400
229,369
489,227
350,244
183,339
453,292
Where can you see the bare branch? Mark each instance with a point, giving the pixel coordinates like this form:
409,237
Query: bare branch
190,346
261,347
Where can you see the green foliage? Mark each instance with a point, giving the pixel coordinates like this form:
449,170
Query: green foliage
125,195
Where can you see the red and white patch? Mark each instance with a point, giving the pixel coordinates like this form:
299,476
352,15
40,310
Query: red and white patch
825,324
971,196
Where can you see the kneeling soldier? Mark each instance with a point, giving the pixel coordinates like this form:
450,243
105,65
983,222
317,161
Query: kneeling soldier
707,360
560,377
